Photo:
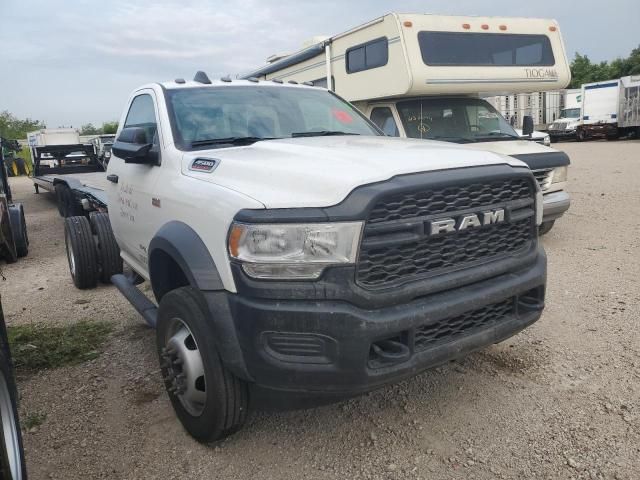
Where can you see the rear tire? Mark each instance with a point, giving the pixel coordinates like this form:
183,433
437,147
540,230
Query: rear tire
81,252
546,227
19,227
108,252
210,402
67,204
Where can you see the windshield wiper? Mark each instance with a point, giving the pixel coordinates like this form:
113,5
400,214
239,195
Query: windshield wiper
448,138
229,141
321,133
497,134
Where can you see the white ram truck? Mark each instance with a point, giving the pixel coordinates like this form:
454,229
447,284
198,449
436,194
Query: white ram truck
294,250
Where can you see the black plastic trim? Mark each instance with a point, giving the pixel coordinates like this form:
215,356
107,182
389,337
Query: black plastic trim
550,159
186,248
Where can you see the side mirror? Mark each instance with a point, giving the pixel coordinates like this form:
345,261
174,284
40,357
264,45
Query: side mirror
133,146
527,125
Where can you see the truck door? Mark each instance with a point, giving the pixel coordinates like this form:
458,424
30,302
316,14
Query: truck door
132,204
385,118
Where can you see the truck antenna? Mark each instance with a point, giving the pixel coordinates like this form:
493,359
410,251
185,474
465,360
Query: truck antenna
201,77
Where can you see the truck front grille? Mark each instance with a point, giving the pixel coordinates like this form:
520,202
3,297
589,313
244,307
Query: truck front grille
396,247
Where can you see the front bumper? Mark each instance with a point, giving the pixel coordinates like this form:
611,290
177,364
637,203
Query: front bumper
562,133
554,205
335,348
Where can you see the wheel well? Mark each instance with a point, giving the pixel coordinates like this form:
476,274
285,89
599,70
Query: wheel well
165,273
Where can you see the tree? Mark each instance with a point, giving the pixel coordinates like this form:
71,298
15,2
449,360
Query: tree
109,127
583,71
14,128
89,129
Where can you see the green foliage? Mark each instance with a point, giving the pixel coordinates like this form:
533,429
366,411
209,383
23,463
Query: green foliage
583,71
89,129
36,346
109,127
32,420
16,129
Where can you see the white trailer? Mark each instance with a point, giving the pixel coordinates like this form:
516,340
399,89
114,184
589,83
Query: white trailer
424,76
610,108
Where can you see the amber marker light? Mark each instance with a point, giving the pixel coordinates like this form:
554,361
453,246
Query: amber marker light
466,26
234,239
485,26
408,24
503,27
552,28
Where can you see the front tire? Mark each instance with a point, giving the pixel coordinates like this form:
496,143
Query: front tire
81,252
12,462
210,402
581,136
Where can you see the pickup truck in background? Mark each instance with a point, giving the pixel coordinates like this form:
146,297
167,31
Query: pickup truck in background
294,251
102,145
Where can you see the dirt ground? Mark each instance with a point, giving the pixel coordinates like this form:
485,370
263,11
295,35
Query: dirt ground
559,400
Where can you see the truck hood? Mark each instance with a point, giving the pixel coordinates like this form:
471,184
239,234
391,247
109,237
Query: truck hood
510,147
322,171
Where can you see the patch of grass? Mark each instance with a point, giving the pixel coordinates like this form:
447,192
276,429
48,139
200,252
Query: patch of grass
37,346
33,420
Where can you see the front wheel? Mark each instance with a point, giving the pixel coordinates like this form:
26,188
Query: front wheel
210,402
581,136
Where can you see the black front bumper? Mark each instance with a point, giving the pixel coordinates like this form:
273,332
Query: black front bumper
329,346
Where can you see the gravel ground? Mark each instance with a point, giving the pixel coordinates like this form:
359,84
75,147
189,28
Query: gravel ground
560,400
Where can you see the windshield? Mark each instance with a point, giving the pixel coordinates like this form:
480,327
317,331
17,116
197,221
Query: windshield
205,117
460,120
570,113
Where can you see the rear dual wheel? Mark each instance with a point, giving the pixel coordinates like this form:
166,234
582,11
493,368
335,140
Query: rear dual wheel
92,251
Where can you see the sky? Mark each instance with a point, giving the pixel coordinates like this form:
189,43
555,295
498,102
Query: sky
73,62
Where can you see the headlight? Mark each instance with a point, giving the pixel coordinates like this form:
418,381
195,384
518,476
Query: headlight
107,154
559,175
547,140
290,251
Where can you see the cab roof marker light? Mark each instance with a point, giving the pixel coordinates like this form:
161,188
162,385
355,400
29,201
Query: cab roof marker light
408,24
293,82
308,84
253,79
277,80
180,80
226,78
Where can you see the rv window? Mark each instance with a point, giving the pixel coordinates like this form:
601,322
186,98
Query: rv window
368,55
482,49
383,118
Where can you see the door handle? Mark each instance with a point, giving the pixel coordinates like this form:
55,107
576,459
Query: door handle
112,178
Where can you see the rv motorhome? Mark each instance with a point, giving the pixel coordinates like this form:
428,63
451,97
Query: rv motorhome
423,76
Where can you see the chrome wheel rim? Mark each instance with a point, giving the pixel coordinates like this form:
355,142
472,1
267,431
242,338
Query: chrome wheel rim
183,368
71,256
10,430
